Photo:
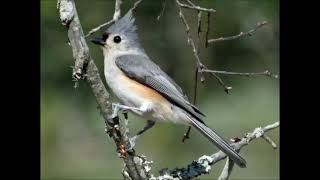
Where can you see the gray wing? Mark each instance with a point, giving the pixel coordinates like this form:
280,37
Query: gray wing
143,70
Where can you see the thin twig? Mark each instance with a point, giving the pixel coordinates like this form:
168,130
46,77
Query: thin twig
264,73
117,10
241,34
162,11
195,85
195,7
221,82
200,66
92,31
208,29
225,174
196,52
187,134
190,40
269,140
116,16
135,5
199,29
191,3
197,67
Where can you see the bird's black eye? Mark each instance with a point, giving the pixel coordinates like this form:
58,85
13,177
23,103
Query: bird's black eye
105,36
117,39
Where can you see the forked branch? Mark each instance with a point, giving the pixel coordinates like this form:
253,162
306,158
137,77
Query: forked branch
241,34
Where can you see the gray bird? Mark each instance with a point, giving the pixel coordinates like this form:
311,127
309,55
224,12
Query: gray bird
144,89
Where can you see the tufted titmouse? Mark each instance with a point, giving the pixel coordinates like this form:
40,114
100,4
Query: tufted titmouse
144,89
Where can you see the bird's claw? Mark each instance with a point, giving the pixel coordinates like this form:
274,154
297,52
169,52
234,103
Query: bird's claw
122,151
125,149
132,142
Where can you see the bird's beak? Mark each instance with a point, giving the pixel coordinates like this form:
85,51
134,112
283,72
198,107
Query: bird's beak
98,41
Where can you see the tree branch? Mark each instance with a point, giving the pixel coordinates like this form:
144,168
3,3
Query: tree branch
163,9
264,73
202,68
204,164
135,5
208,29
190,40
116,16
196,53
226,169
86,69
194,7
241,34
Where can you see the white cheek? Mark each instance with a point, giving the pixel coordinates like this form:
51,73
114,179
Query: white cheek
109,42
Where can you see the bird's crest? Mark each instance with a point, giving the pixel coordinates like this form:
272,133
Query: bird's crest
125,26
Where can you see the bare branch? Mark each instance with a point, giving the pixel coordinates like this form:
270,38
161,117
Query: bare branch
191,3
92,31
208,29
199,29
162,11
228,88
66,12
85,68
269,140
196,52
241,34
195,7
69,18
225,174
117,10
135,5
264,73
116,16
220,81
190,41
204,164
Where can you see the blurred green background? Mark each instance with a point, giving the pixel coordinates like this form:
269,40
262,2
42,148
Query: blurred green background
73,142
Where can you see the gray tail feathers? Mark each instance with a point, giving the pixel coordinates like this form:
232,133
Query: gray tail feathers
219,142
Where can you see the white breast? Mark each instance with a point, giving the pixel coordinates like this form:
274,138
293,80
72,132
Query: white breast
114,78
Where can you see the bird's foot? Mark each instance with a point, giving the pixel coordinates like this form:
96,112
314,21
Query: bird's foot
132,142
122,151
117,107
126,148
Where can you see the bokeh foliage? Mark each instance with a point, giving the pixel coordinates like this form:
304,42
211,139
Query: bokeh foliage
73,143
